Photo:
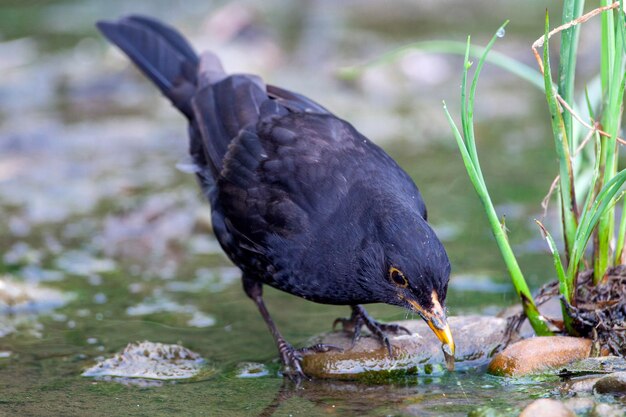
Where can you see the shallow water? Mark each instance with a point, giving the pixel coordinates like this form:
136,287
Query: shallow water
94,206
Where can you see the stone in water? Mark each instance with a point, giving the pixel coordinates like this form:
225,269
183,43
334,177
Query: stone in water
150,360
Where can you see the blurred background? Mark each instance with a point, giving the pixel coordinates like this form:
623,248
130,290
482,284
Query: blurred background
105,238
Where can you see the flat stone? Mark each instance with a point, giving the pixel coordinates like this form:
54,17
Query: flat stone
148,360
538,354
26,298
580,384
546,407
611,384
595,366
476,339
607,410
580,404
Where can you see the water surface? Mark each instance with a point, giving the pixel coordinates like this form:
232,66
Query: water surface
93,204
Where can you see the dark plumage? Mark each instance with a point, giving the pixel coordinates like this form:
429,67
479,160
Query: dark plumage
300,200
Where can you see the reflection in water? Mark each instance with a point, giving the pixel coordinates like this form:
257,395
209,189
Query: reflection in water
417,396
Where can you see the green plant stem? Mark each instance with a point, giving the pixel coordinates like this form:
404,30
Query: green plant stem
572,9
556,259
620,253
523,292
600,260
467,147
603,203
566,173
612,72
564,284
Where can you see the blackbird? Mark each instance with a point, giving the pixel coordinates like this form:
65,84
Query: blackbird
300,200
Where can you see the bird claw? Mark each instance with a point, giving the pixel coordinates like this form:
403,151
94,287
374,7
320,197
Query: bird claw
394,328
360,318
292,359
292,362
319,348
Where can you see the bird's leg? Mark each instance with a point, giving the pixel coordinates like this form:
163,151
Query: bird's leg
360,318
289,356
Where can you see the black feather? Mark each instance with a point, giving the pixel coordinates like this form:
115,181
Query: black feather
168,67
173,37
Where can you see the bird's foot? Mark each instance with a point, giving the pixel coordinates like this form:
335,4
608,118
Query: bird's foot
360,318
292,358
319,348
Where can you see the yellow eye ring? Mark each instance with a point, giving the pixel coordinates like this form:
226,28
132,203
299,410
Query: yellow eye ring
397,277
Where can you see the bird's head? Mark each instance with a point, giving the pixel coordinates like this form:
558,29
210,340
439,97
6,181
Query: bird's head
415,271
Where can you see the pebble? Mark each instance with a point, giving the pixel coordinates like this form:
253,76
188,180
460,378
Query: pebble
611,384
538,354
582,384
607,410
546,407
150,360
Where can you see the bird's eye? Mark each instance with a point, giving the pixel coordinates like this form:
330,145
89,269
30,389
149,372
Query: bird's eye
397,277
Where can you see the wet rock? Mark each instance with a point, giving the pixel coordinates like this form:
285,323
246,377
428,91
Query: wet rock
476,338
18,297
584,374
594,366
251,370
576,385
607,410
611,384
580,404
538,354
546,407
483,412
21,303
148,360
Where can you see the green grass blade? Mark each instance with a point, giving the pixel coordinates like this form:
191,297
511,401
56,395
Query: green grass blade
567,63
620,252
607,50
466,65
610,121
556,258
604,202
469,114
566,182
473,169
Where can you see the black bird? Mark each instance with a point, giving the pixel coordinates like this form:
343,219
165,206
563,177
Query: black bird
300,200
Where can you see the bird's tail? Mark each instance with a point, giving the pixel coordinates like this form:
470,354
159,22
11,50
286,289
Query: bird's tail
193,84
161,53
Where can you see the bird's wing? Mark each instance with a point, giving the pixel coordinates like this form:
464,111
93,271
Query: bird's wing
293,169
294,101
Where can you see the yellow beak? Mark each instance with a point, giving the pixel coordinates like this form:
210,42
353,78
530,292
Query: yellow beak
436,320
443,334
